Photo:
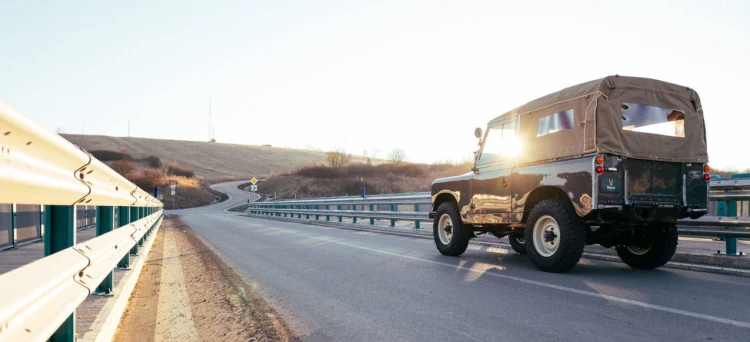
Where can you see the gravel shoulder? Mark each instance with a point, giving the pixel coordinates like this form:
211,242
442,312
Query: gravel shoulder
187,293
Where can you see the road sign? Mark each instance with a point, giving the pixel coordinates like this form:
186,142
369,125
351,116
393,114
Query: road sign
172,192
173,186
253,188
253,181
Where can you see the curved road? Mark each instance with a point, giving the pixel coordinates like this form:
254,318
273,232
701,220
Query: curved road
346,285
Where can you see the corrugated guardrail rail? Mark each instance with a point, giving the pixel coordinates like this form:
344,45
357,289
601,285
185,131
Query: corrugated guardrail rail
39,167
729,198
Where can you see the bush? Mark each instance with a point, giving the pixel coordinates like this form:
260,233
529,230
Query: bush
177,170
338,158
147,179
107,155
123,167
153,161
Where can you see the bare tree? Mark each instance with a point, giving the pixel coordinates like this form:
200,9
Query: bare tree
338,158
397,156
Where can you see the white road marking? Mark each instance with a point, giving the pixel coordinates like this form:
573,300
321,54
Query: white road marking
537,283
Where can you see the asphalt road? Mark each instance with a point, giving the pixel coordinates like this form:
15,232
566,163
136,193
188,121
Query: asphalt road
346,285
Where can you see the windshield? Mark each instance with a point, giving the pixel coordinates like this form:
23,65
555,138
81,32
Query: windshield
500,143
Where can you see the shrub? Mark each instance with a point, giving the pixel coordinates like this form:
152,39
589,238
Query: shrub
108,155
397,156
177,170
338,158
153,161
123,167
147,179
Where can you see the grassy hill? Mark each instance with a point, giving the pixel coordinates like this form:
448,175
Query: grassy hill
213,161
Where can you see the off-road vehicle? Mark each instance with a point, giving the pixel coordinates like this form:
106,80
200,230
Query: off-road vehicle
614,161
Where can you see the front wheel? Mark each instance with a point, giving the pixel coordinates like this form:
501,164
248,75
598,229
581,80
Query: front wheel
654,250
451,235
555,237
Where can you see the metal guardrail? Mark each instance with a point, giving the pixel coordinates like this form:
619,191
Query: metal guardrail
725,192
39,167
36,300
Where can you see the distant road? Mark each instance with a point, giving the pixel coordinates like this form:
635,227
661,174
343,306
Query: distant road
236,197
345,285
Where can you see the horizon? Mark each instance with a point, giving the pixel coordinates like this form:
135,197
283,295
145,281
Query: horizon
367,78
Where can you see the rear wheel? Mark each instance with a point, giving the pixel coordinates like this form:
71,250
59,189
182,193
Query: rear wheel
653,250
518,243
451,235
554,236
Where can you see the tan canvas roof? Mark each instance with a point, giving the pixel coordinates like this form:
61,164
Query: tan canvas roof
599,122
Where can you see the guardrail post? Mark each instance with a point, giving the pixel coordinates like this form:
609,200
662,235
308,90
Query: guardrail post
105,222
307,216
123,218
61,235
338,207
14,224
328,217
354,218
393,222
134,217
317,217
416,223
372,220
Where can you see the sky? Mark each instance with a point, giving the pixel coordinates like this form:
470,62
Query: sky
364,76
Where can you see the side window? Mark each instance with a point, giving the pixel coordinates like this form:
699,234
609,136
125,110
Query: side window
500,143
643,118
555,122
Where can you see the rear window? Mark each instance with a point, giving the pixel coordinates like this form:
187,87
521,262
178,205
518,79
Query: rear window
555,122
644,118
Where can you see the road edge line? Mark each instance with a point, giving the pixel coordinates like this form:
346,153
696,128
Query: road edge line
586,255
114,309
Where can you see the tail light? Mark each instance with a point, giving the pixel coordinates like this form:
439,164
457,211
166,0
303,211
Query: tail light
706,177
600,160
599,169
706,168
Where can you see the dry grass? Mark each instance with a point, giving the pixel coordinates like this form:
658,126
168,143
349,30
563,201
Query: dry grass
322,181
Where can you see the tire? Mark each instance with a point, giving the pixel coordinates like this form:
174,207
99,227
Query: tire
554,236
451,234
518,243
653,253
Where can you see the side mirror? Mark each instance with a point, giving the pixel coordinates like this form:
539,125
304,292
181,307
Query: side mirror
478,133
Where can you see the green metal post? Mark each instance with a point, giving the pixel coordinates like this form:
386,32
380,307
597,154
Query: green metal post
372,220
134,212
317,217
393,222
105,222
338,207
123,218
354,219
328,217
307,216
61,234
14,224
731,243
416,223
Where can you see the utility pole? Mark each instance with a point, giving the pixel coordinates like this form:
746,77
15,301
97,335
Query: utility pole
210,125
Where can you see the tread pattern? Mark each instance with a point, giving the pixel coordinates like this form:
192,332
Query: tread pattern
662,250
572,239
462,233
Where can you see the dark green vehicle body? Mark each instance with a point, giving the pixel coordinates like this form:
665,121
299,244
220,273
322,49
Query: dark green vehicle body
648,135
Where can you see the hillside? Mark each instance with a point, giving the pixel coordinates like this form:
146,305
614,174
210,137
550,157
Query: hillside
213,161
324,181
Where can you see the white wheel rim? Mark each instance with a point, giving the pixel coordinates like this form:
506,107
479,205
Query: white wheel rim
445,229
546,236
639,250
